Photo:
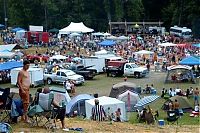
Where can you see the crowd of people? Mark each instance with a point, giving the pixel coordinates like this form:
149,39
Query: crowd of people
79,46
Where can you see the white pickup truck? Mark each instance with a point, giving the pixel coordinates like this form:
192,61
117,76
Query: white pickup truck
119,68
62,75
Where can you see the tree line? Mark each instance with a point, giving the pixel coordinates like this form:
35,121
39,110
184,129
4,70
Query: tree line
97,13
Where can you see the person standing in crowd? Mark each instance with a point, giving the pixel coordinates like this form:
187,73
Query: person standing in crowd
98,113
23,82
196,96
176,107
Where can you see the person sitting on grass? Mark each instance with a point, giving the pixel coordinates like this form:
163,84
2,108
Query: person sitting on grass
148,89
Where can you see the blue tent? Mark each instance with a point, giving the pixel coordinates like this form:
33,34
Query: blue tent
10,65
17,29
107,43
197,45
2,26
191,60
78,104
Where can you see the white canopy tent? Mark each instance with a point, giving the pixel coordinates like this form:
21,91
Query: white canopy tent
75,27
106,102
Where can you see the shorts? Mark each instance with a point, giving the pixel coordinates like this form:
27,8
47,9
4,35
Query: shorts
196,98
60,113
25,97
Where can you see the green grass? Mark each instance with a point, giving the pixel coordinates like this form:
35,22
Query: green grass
102,85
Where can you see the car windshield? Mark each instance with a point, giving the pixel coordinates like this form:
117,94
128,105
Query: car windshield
70,73
134,65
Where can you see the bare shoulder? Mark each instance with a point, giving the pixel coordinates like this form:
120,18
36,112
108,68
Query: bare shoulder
21,73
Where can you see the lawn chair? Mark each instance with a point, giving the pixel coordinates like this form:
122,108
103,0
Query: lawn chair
43,111
172,117
5,105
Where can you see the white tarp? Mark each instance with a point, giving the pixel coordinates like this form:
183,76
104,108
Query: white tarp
35,28
106,102
75,27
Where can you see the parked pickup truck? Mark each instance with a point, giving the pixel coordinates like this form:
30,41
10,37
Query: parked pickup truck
119,68
84,71
62,75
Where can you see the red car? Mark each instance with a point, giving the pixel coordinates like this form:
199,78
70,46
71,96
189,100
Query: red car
32,58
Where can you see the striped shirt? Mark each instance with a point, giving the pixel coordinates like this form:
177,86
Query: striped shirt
98,113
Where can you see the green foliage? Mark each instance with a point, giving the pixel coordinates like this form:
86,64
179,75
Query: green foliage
96,13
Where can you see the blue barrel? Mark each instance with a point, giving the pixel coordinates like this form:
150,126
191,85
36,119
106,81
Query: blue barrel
161,122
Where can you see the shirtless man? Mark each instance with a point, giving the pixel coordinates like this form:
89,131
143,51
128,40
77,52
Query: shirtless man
23,81
196,96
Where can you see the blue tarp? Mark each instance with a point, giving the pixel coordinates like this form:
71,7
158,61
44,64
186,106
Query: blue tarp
78,104
1,26
197,45
191,60
107,43
10,65
17,29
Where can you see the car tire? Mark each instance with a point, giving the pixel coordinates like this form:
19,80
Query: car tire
137,75
113,74
49,81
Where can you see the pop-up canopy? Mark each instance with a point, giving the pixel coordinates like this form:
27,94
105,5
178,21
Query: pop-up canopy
75,27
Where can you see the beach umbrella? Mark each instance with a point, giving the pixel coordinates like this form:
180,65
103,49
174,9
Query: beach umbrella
147,100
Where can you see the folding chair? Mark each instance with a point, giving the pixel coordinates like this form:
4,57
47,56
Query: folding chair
172,117
5,105
43,111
